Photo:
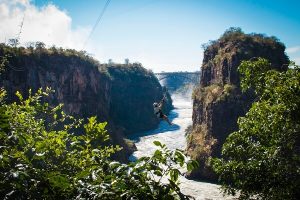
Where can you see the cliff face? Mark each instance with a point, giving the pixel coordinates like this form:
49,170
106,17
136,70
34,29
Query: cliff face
133,92
218,101
222,57
121,95
78,84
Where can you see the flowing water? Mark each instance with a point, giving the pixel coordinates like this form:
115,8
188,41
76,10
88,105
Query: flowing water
174,138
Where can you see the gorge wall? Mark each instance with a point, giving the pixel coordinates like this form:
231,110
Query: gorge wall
218,100
122,95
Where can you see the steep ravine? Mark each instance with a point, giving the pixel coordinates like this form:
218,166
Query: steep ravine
174,138
218,100
122,95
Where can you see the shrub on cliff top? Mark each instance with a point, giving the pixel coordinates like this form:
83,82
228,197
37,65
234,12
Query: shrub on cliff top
235,35
262,158
38,51
213,92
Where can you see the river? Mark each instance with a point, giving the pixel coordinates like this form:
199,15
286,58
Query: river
174,138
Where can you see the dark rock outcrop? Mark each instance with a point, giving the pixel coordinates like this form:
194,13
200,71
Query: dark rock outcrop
218,101
122,95
133,91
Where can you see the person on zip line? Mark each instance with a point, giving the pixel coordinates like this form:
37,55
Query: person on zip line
158,110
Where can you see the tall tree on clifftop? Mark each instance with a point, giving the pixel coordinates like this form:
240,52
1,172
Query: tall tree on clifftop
262,158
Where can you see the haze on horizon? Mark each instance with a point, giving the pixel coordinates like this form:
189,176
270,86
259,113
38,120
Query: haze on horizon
163,35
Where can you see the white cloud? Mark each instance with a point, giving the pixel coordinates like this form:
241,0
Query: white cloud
293,49
48,24
297,60
54,26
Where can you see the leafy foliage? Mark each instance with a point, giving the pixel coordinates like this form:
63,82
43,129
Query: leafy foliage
262,158
38,49
3,62
42,158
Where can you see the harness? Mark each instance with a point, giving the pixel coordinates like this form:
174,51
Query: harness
157,110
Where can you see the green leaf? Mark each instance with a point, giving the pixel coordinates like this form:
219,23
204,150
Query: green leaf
158,173
179,157
58,181
192,164
174,174
157,143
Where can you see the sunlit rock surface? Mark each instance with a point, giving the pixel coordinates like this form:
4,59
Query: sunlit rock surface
218,100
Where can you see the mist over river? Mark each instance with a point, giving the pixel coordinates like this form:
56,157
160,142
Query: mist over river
174,138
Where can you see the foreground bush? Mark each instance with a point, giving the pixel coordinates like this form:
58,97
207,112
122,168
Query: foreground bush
46,154
262,158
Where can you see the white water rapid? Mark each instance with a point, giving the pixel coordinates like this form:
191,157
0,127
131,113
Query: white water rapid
174,138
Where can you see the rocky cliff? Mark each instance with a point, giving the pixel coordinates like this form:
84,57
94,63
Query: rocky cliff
122,95
218,101
133,91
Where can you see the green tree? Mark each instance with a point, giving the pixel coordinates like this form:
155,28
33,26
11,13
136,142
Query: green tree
3,63
262,158
42,158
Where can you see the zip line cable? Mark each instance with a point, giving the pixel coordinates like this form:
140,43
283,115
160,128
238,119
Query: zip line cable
22,24
18,37
21,27
97,22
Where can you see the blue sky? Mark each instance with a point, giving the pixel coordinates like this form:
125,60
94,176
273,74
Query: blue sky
166,35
